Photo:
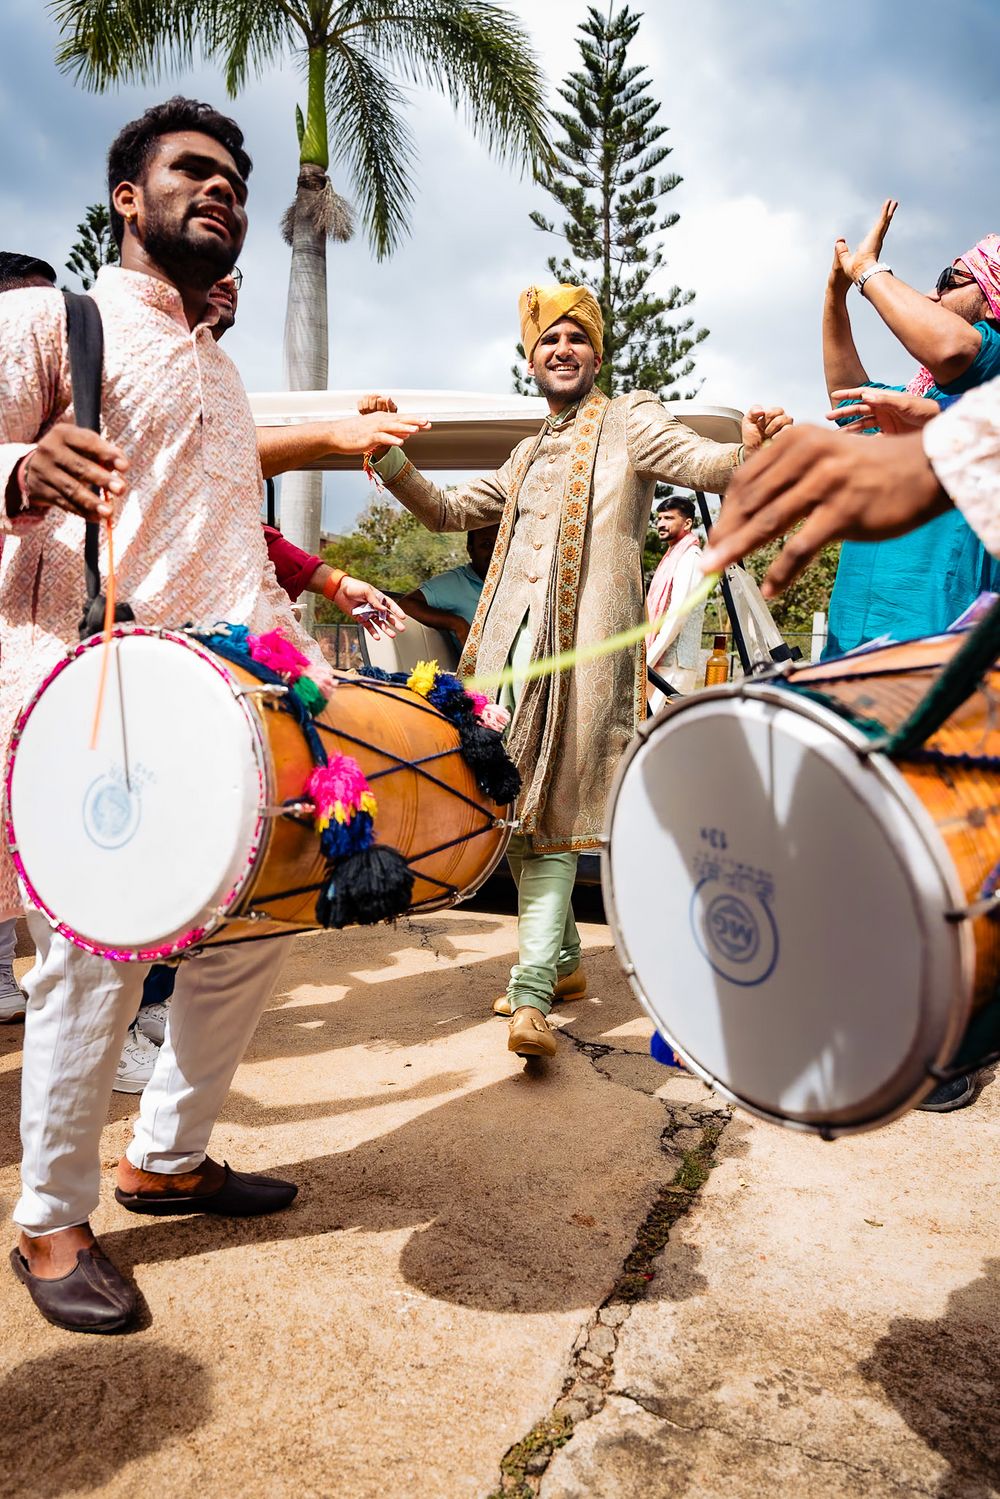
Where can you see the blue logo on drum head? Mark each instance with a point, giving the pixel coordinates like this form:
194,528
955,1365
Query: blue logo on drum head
736,933
111,812
731,928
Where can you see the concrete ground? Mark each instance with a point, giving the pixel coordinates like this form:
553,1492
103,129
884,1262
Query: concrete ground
581,1279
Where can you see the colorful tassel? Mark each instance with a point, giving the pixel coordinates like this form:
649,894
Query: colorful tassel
277,653
307,691
338,790
423,677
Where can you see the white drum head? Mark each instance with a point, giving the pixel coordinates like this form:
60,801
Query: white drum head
138,860
779,906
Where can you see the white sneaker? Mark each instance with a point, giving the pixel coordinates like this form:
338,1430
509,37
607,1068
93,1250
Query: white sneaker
152,1021
136,1063
12,1002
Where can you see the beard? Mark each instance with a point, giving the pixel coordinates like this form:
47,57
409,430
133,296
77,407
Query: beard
581,387
189,261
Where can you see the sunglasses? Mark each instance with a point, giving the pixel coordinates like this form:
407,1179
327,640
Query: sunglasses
237,276
950,278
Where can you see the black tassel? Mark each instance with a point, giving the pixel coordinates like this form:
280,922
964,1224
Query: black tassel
483,751
374,885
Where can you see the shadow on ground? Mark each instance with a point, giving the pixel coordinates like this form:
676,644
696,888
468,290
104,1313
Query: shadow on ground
943,1376
69,1421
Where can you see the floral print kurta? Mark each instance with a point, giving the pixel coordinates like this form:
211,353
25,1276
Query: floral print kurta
188,542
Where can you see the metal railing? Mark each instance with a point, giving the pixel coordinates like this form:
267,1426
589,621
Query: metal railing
339,644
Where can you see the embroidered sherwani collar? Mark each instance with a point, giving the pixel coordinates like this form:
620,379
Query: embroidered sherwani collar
559,419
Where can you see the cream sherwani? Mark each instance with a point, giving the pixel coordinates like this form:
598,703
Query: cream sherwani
573,505
571,574
189,547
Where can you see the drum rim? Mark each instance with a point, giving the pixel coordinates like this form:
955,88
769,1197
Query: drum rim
223,910
897,786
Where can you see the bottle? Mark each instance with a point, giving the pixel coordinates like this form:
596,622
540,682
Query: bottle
717,665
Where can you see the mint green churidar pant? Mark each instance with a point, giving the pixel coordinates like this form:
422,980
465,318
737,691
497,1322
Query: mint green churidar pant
547,939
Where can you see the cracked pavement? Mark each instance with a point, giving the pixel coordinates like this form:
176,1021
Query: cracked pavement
510,1279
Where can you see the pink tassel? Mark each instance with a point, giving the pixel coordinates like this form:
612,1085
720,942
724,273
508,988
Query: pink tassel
273,650
340,784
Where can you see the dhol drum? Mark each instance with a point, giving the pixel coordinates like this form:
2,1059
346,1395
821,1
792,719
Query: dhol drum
184,826
802,909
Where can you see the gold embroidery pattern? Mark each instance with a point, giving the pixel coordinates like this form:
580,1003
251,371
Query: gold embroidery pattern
572,532
467,665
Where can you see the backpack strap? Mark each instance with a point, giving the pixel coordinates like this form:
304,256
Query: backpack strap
85,334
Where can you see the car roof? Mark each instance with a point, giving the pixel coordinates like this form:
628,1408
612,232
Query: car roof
469,430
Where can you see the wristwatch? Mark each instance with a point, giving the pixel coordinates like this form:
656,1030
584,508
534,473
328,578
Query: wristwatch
872,270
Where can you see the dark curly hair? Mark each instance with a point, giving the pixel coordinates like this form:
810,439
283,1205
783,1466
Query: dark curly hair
680,502
132,146
16,269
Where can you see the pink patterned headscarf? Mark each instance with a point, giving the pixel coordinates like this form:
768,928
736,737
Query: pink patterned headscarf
983,262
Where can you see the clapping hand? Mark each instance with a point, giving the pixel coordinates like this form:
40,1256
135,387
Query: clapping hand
759,425
853,262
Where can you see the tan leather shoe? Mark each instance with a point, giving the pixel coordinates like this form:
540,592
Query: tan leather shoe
529,1034
573,986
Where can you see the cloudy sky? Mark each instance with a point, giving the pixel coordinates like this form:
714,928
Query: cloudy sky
790,121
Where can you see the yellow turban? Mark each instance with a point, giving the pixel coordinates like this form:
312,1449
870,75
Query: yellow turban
541,306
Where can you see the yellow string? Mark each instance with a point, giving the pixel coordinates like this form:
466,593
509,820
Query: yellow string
567,660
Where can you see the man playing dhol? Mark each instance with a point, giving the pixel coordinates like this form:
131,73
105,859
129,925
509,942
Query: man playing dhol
177,461
572,505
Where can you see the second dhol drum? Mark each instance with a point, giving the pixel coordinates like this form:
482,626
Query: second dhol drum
804,916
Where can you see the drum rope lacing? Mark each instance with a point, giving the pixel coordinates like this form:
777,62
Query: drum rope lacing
313,730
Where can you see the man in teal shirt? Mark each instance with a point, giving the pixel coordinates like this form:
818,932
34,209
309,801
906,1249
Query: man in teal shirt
449,601
920,583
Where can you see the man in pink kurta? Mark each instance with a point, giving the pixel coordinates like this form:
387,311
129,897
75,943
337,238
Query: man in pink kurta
177,458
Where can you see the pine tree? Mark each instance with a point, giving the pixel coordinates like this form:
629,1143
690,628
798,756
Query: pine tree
94,247
606,182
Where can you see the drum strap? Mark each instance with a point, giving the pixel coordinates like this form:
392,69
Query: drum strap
85,334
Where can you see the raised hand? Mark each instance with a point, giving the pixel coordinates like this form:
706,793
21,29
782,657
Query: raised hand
840,490
373,401
892,411
382,428
69,468
758,425
853,262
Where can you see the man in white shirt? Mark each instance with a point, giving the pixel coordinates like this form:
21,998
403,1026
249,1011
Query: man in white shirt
673,652
176,467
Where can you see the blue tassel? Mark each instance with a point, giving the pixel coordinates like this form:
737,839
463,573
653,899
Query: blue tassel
341,839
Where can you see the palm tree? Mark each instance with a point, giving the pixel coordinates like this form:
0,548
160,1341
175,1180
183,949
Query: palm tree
357,54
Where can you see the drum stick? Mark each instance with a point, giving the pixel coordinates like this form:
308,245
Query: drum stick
109,618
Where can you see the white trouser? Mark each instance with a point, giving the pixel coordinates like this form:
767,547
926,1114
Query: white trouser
8,941
79,1011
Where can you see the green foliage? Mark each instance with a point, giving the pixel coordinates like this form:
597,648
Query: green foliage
607,181
390,548
475,52
94,246
793,610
